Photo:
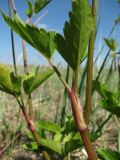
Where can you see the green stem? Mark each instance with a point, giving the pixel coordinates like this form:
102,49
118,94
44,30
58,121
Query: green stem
12,42
65,98
25,57
103,65
82,79
60,76
102,125
31,112
112,30
87,107
119,73
29,119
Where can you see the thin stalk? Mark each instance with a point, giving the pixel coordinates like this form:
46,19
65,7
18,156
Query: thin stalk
25,62
87,107
119,73
112,30
12,41
14,7
103,65
85,69
60,76
118,143
57,107
32,128
31,112
13,48
102,125
65,98
25,57
110,71
82,80
29,119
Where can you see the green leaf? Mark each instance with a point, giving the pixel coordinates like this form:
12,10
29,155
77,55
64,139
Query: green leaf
111,43
33,80
107,154
77,32
48,126
29,11
40,4
72,145
111,106
8,82
41,40
110,101
51,145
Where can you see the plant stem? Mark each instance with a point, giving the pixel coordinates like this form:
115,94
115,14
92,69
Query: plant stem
102,125
25,57
13,5
31,112
88,145
103,65
25,61
87,107
81,125
77,111
68,89
32,128
119,73
12,42
65,98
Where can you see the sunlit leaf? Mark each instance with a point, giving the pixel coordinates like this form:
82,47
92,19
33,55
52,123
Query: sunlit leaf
41,40
51,145
77,32
8,82
107,154
40,4
72,145
48,126
33,80
111,43
29,11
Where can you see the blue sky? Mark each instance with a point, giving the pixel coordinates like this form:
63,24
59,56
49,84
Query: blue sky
57,14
